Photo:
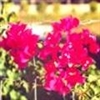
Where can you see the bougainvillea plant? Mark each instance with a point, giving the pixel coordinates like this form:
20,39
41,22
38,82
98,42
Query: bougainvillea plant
21,43
65,55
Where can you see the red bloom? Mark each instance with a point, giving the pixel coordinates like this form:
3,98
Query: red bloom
90,41
69,23
68,52
55,82
50,67
62,80
76,50
52,39
65,24
51,47
21,43
73,76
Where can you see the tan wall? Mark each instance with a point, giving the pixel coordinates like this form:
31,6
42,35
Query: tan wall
63,9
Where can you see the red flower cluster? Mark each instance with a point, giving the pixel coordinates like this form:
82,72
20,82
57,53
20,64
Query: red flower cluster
62,80
21,43
66,24
64,52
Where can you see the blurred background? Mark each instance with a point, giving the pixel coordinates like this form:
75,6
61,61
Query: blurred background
47,11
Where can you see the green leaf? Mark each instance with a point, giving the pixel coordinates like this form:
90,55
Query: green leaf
92,78
25,85
12,75
23,98
5,90
14,95
95,98
2,73
96,90
9,74
98,82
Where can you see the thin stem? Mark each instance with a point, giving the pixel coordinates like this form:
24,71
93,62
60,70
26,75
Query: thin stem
73,95
1,90
35,90
2,8
64,97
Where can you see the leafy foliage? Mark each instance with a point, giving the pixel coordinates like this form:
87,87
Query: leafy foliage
10,77
91,88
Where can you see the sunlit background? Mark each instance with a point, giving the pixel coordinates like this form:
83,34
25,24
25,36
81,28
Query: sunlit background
50,10
47,11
